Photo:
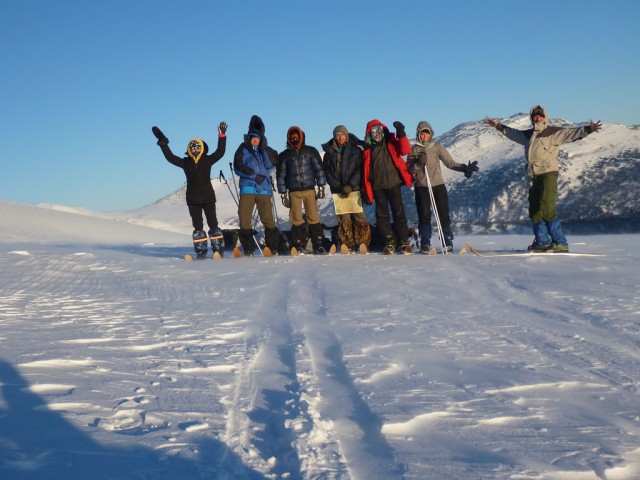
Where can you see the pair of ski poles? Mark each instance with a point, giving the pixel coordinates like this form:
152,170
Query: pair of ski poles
235,199
435,213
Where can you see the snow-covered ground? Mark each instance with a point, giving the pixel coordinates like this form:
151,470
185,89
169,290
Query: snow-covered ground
118,360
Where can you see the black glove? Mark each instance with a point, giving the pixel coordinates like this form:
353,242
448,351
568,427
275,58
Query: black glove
421,160
470,168
162,140
285,200
259,179
320,193
222,128
399,129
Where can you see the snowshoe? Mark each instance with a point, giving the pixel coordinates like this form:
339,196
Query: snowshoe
333,249
294,252
344,249
236,252
362,249
266,252
217,255
406,249
389,250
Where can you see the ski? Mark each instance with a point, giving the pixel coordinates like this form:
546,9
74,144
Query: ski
189,258
522,253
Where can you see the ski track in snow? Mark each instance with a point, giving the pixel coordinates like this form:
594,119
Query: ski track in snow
458,367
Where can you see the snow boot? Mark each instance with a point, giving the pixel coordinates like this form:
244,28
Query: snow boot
200,244
217,240
538,248
299,237
272,239
362,234
558,248
317,236
345,233
390,245
246,240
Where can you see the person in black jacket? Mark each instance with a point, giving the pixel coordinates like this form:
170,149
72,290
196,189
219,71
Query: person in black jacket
299,170
342,164
200,195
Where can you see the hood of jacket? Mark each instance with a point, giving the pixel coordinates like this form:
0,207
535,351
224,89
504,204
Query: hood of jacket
545,122
290,145
370,125
204,148
424,125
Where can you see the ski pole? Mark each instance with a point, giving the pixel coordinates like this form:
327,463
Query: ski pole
233,178
222,179
435,212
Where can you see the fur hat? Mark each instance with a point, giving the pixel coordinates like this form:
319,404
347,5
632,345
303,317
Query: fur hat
256,127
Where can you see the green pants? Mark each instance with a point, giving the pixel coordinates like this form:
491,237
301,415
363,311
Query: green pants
543,197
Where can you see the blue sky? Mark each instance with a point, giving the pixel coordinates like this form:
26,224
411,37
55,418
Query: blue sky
83,82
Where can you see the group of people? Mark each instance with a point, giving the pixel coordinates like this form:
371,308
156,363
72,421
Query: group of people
375,168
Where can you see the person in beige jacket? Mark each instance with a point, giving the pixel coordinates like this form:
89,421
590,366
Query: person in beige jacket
541,146
427,152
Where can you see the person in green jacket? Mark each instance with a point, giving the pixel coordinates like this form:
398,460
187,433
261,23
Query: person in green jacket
541,146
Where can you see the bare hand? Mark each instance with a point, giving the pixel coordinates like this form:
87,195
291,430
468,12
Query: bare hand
595,126
491,122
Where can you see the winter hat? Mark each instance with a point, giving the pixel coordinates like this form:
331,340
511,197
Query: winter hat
256,127
340,129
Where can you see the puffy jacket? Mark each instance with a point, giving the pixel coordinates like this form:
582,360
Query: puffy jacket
249,163
542,141
198,170
397,148
429,154
300,168
343,168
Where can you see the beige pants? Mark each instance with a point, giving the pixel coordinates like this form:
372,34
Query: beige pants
265,210
308,199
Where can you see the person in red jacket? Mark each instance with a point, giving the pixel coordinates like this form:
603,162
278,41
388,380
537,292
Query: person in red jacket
384,173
